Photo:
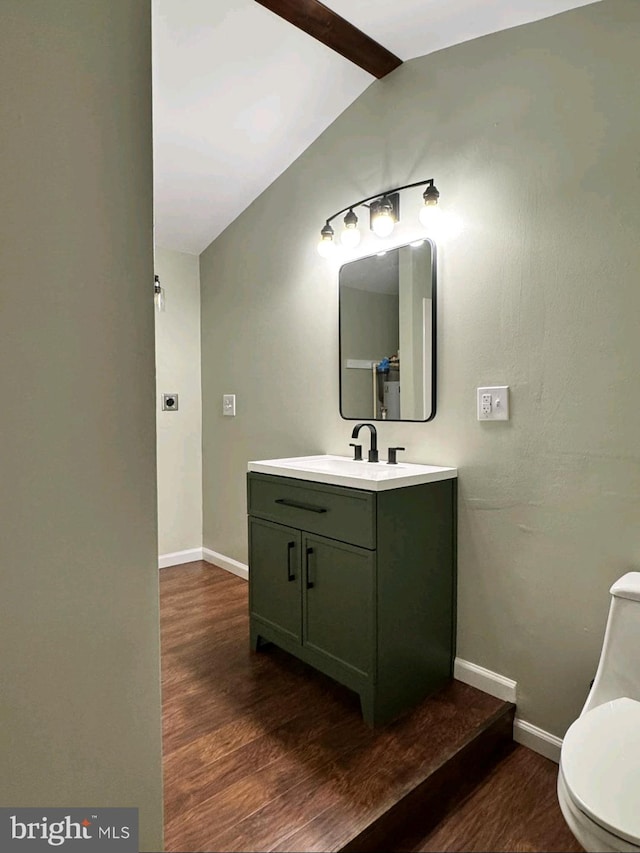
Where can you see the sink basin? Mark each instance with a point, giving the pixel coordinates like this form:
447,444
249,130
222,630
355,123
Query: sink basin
343,471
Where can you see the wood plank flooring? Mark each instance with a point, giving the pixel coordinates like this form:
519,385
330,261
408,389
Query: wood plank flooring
263,753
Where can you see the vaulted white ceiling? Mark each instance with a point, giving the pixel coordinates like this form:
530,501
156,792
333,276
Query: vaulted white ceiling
239,93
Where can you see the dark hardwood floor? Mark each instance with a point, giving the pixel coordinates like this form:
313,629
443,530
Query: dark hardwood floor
263,753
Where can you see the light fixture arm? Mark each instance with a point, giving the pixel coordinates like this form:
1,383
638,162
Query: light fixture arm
363,201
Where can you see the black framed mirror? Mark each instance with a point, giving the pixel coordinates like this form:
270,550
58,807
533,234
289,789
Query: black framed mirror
387,335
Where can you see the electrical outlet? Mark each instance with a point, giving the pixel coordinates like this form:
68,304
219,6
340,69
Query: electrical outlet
493,403
229,405
169,402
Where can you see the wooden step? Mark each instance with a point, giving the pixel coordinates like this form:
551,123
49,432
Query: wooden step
264,753
443,787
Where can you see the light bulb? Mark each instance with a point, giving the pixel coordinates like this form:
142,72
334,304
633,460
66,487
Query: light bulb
430,215
350,237
326,245
383,223
326,248
430,212
383,217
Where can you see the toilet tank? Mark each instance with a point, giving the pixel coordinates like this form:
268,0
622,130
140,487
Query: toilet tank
618,672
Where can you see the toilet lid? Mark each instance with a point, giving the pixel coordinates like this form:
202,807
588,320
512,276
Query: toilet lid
601,765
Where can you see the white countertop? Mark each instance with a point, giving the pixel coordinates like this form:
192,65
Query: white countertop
343,471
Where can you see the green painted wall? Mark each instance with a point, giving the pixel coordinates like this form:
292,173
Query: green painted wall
532,136
79,663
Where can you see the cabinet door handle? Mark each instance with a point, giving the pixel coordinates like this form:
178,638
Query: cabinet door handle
290,548
296,505
308,568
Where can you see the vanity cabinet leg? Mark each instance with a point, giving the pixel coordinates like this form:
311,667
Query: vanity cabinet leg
255,640
367,706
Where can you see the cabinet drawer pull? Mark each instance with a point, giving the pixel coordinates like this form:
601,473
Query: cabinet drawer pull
308,567
290,575
296,505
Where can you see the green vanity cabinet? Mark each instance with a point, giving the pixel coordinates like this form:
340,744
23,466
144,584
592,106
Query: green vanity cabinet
358,584
275,589
338,614
312,591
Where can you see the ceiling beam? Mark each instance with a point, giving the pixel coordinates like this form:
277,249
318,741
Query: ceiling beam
335,32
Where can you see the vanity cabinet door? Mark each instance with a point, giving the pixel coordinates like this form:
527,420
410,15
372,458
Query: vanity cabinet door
339,599
275,577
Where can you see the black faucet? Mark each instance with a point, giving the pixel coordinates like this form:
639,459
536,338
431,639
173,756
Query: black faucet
373,452
392,455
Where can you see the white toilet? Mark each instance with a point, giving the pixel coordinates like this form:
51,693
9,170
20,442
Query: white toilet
599,778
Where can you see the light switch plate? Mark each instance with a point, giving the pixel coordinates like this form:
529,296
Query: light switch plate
493,403
229,405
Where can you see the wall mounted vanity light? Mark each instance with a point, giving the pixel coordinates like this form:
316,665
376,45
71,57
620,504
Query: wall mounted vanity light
384,212
158,294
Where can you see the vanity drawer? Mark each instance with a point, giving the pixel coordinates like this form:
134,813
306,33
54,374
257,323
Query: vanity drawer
339,513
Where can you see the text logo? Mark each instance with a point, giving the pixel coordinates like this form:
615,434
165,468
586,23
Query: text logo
34,830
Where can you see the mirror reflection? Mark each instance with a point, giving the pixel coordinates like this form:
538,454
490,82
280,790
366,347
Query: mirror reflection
387,335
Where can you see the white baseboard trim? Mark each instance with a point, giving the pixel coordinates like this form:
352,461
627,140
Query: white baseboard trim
537,739
179,557
485,680
226,563
506,689
194,554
